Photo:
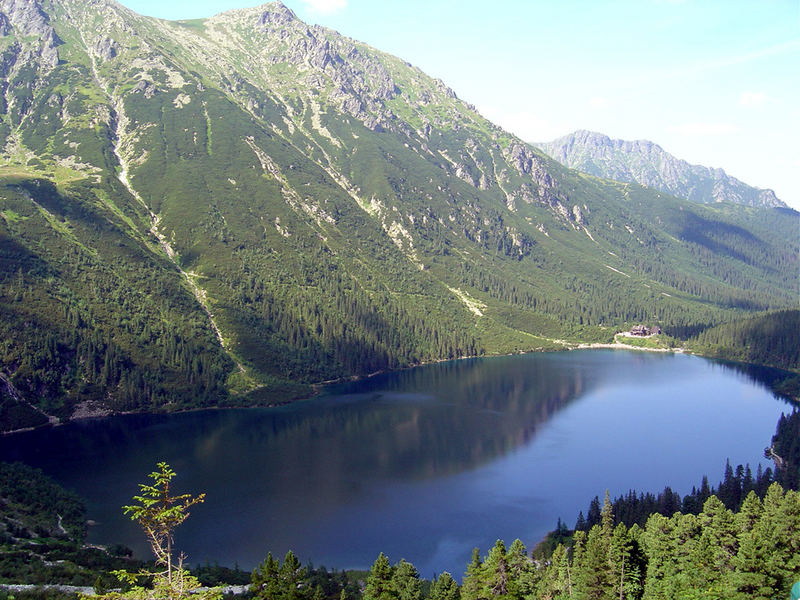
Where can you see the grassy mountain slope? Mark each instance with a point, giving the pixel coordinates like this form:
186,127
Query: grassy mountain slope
230,210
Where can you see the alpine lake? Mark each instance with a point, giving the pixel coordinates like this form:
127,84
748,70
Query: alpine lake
422,464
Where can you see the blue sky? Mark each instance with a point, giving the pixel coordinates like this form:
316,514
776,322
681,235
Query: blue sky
715,83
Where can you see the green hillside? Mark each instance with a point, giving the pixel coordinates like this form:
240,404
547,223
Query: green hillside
229,211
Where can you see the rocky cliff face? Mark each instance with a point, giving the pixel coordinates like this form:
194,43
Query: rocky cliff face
648,164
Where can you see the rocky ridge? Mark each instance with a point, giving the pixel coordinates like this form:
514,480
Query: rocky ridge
647,164
230,210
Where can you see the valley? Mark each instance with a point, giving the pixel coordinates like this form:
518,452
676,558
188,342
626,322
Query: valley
226,212
365,319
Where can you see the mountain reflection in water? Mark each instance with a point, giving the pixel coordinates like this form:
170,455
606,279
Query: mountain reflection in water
422,464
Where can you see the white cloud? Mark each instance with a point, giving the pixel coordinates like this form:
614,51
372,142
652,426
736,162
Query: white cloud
752,98
325,7
702,128
599,102
526,124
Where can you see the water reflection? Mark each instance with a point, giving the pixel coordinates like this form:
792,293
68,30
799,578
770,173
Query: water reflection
764,377
424,463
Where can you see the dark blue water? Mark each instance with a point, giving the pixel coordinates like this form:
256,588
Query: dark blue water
422,464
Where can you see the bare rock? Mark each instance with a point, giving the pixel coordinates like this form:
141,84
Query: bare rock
27,16
106,48
5,25
373,123
278,16
646,163
521,158
29,19
146,88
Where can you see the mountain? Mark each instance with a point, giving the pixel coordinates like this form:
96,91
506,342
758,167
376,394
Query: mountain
232,210
648,164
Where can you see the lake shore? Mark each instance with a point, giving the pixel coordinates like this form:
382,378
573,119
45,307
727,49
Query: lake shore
617,345
87,411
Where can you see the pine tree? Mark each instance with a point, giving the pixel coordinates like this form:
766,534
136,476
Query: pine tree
291,575
472,585
593,576
158,513
717,545
445,587
593,517
496,575
555,583
625,564
379,581
520,569
405,581
777,532
264,579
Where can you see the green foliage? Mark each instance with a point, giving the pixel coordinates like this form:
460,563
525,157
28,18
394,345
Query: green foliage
34,506
113,327
273,580
770,339
379,583
786,446
301,244
264,580
42,528
159,513
405,582
717,553
471,584
445,588
214,575
636,508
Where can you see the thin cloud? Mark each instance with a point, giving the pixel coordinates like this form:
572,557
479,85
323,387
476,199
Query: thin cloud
599,102
325,7
526,124
704,128
746,57
702,67
753,98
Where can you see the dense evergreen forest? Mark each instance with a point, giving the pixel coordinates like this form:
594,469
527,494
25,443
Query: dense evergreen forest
202,224
752,553
785,451
768,339
771,339
634,508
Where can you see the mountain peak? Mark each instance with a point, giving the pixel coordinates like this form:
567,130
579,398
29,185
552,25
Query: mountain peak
276,13
192,211
646,163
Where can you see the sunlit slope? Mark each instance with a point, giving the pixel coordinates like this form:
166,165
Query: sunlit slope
226,211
